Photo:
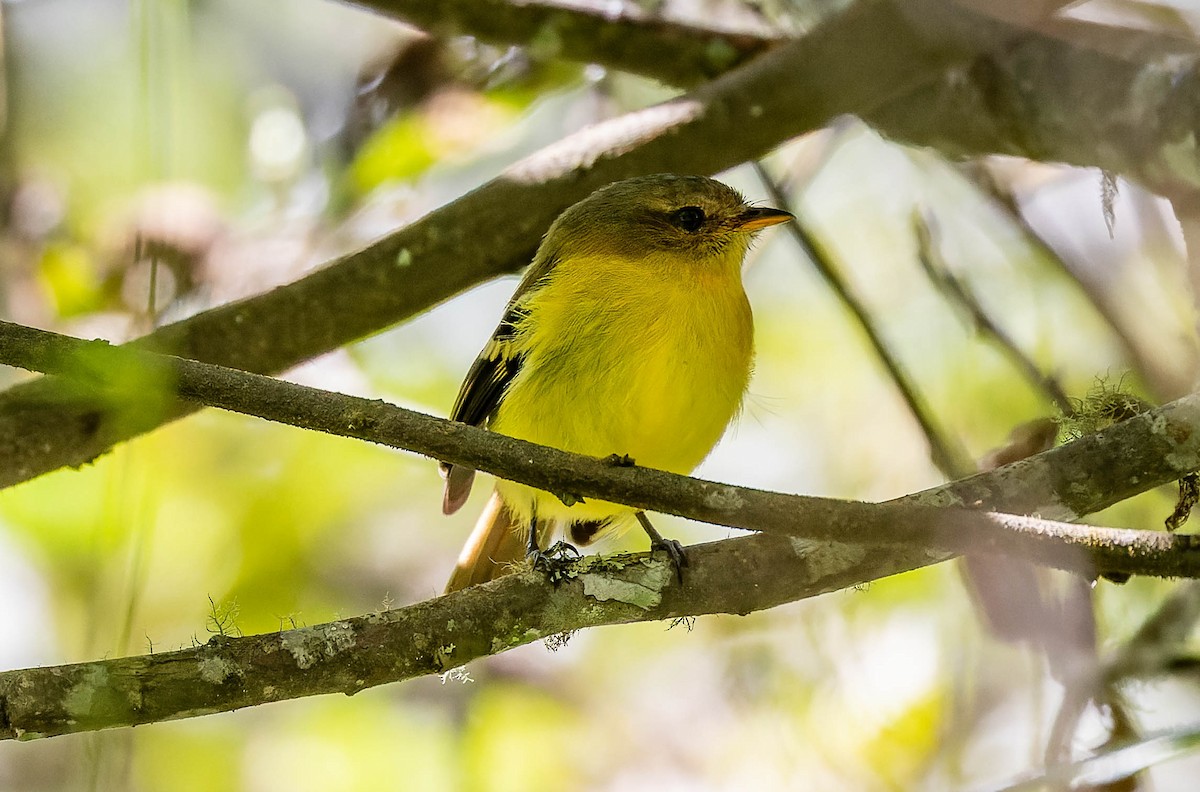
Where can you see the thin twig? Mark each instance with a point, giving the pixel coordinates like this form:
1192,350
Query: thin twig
1149,651
1109,768
924,225
947,453
1001,584
1005,203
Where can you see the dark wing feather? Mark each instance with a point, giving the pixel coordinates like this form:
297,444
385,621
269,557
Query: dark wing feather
479,397
490,375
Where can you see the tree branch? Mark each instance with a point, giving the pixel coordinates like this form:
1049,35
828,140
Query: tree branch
1068,92
630,39
736,576
733,576
1151,455
793,89
1121,113
1036,86
958,294
947,453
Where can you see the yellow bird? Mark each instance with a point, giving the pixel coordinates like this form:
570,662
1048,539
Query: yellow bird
629,335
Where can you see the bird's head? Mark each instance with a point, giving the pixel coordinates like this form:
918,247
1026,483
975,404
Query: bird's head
647,216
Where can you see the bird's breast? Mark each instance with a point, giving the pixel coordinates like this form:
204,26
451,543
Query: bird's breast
632,359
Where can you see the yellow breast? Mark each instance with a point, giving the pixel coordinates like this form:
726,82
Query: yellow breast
649,359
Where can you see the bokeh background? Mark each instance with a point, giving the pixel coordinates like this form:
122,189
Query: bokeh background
228,146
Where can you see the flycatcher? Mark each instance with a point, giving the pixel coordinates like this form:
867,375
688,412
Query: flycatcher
630,335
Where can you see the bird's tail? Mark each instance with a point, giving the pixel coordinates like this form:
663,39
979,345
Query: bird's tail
495,547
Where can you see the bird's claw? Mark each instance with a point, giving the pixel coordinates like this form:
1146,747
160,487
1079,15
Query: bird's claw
619,460
674,549
569,499
554,560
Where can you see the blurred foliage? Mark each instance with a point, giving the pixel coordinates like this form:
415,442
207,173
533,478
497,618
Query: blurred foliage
431,103
218,148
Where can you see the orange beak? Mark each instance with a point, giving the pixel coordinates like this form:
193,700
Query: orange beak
760,217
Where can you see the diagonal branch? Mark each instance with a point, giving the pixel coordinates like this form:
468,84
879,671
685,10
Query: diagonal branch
631,39
1027,83
793,89
947,453
733,576
900,65
1150,455
736,576
957,293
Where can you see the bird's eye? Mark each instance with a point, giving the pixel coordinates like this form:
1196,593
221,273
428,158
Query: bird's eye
689,218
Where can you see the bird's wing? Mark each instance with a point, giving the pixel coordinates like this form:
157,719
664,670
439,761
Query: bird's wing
486,381
490,374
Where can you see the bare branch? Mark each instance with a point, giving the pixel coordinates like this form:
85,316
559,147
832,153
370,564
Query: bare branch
732,576
1165,376
1125,111
1069,92
740,575
1158,640
630,39
959,294
1026,82
949,455
790,90
1148,455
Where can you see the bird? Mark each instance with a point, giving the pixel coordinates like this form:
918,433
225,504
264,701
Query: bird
630,337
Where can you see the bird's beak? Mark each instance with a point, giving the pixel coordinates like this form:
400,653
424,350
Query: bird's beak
759,217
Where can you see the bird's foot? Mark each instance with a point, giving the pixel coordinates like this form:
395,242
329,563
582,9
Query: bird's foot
569,499
616,460
620,460
672,547
555,560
